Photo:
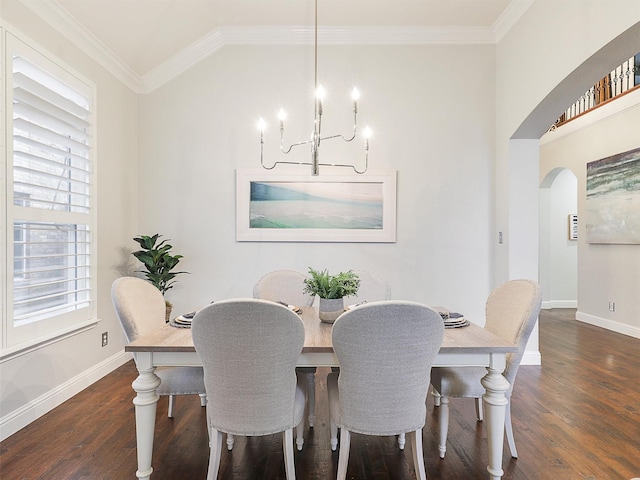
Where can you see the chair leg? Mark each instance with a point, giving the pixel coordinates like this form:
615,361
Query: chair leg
333,429
170,410
343,458
444,425
287,445
418,455
214,454
311,397
509,429
230,441
401,441
300,435
203,399
436,396
479,413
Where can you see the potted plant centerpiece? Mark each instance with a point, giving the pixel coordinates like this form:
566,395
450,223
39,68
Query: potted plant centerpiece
331,289
159,264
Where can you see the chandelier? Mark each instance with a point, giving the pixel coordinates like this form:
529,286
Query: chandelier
316,135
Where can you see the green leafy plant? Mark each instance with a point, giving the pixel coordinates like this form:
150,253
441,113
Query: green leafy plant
158,261
328,286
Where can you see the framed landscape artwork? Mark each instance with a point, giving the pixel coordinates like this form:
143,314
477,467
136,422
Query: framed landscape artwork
324,208
613,199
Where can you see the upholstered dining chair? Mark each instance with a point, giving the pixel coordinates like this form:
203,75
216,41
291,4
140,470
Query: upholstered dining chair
372,289
511,312
287,286
140,307
385,349
249,349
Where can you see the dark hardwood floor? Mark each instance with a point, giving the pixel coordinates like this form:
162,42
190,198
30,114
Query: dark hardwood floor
575,417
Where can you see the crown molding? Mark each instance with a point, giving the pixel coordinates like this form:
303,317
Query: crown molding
302,35
56,16
509,17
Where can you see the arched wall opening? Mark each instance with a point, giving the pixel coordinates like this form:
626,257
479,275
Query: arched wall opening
523,167
558,251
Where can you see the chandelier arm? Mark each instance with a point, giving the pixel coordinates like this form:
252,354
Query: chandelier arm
355,125
262,153
349,139
360,172
339,136
262,156
282,149
286,163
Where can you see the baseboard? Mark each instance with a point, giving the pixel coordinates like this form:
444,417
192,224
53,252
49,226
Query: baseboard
624,328
549,304
531,358
20,418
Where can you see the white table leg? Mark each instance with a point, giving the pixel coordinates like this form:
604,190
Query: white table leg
145,403
311,397
495,404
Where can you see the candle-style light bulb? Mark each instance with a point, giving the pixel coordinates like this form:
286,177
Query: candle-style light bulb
261,125
320,93
355,96
367,136
281,116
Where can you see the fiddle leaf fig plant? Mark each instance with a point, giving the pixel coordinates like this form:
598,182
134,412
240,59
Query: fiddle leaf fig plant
327,286
158,261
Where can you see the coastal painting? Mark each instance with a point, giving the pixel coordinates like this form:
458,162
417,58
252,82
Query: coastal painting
613,199
327,208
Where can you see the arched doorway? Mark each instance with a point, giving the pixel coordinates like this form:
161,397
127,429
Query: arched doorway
558,257
524,159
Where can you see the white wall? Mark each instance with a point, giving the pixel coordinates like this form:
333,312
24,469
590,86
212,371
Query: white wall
36,381
434,127
605,272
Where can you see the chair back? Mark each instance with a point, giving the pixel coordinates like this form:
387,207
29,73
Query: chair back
372,289
139,305
249,349
283,286
385,350
511,312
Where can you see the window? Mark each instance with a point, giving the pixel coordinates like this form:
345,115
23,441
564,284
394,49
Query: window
50,210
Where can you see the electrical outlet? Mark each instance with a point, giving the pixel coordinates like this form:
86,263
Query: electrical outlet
105,339
612,306
499,237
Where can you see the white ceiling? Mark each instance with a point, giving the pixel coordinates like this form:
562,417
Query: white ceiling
144,36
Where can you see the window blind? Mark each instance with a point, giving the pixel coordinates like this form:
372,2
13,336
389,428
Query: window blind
52,195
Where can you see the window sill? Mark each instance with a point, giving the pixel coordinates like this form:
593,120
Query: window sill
15,351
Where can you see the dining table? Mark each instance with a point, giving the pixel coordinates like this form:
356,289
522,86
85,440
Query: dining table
470,345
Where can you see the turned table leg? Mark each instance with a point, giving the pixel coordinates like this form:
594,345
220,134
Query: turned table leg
495,404
145,402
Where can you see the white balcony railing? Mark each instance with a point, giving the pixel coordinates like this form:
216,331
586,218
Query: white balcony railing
621,80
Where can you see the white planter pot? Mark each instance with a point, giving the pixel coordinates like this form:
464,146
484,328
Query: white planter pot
331,309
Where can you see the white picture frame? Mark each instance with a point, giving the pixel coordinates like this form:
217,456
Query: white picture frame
273,207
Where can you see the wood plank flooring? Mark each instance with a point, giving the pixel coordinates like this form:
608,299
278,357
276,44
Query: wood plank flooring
577,417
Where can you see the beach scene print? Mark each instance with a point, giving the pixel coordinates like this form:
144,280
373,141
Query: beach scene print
613,199
316,205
